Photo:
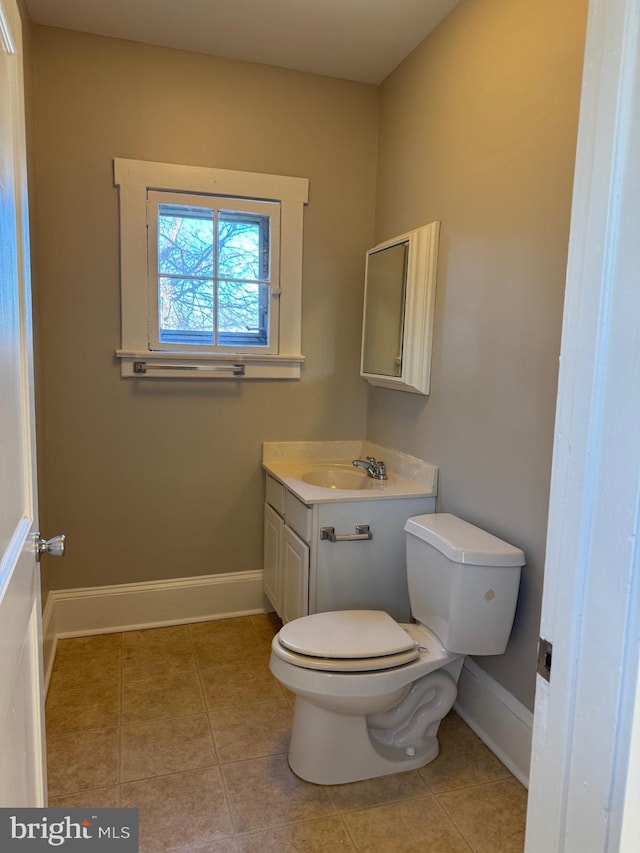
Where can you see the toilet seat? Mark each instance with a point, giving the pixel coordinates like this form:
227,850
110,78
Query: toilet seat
346,641
344,664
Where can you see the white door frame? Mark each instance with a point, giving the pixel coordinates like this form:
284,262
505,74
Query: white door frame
585,777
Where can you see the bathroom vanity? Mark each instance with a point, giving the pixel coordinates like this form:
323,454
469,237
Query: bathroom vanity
333,537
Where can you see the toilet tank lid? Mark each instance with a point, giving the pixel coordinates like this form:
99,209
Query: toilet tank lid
462,542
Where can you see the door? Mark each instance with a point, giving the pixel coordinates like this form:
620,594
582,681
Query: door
22,768
585,770
295,576
273,533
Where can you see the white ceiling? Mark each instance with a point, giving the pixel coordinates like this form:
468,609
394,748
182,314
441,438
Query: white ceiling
355,39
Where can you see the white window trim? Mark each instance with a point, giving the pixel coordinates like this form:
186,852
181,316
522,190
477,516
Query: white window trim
134,178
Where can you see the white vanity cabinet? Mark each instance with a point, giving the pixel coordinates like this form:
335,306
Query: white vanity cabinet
306,572
287,532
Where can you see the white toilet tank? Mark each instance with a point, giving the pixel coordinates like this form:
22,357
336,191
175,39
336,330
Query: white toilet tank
463,583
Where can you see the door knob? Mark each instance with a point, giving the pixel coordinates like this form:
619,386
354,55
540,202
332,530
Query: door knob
53,546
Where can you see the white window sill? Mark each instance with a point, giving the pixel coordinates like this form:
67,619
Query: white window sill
159,365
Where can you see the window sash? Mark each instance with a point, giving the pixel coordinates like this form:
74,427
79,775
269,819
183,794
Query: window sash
266,341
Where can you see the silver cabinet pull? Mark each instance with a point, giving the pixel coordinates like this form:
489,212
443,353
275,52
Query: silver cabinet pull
362,532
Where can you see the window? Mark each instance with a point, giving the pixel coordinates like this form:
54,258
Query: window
211,271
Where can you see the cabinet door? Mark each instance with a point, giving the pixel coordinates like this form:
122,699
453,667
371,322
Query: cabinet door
295,576
273,527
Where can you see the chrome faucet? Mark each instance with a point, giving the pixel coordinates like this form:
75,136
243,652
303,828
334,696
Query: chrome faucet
374,469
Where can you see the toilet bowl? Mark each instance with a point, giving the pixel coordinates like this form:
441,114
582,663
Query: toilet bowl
370,692
356,718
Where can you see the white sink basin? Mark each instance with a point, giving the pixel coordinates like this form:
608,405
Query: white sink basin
336,477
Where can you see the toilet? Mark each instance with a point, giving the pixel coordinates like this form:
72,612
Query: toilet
371,692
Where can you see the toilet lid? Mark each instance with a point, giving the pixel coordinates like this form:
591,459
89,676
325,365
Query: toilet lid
346,634
344,665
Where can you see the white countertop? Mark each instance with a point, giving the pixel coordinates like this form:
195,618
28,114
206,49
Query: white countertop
407,476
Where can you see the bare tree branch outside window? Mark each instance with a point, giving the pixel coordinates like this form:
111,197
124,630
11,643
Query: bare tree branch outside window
213,275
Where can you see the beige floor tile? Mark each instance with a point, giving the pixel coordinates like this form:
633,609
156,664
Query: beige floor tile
84,660
82,760
263,646
230,685
463,760
251,732
81,670
158,638
160,697
180,811
217,648
172,745
98,798
316,836
491,817
266,624
92,648
375,792
414,826
264,793
237,626
221,635
82,708
166,650
221,845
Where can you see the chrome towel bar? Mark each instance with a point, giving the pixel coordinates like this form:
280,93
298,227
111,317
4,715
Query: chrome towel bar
144,367
362,532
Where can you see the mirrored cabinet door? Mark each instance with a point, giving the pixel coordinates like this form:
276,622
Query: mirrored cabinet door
399,299
384,310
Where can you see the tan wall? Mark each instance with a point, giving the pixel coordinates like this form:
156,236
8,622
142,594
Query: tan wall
478,130
161,479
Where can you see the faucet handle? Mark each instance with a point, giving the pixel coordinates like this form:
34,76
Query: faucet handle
371,459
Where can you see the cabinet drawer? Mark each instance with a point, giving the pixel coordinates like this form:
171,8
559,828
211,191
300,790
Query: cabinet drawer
275,495
298,516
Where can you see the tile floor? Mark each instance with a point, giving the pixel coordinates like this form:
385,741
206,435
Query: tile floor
188,724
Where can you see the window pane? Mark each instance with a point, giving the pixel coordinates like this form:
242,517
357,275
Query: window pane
185,241
243,312
185,310
243,247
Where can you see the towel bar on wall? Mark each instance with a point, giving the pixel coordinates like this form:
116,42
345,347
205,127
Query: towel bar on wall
362,532
143,367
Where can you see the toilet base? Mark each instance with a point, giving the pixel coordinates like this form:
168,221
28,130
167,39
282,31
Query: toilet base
328,748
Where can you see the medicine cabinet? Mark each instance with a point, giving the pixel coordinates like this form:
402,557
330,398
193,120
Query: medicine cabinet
399,297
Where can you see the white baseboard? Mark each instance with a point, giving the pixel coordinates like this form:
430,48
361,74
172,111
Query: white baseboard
127,607
503,723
